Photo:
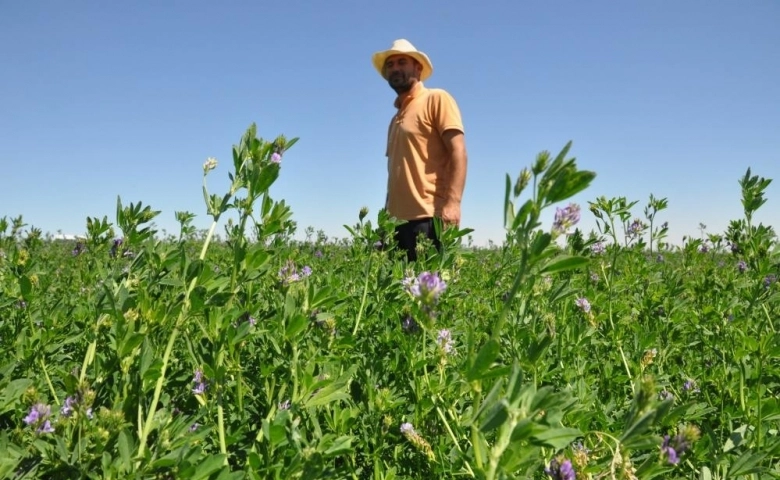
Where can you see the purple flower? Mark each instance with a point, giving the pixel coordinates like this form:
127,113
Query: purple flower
566,218
665,395
276,158
68,407
45,427
289,273
560,470
427,287
672,448
690,386
318,254
200,384
583,304
597,248
406,428
39,418
37,412
77,249
194,426
741,266
769,280
671,453
445,340
635,228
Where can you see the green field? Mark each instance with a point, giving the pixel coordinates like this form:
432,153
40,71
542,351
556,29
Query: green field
239,352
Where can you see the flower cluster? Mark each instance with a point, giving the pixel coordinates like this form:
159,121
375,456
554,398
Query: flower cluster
407,430
648,357
200,384
289,273
583,304
742,266
635,228
560,470
209,164
672,448
81,401
445,340
38,418
690,386
598,248
565,218
426,288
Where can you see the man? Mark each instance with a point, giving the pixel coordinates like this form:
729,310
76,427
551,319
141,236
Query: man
426,150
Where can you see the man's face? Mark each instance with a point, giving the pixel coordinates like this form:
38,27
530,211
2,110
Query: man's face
402,72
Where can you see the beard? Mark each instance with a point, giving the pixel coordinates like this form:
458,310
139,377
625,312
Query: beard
400,82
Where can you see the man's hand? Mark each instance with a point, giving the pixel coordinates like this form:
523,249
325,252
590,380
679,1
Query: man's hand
450,214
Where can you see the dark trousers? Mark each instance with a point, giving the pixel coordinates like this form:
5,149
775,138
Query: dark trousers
406,235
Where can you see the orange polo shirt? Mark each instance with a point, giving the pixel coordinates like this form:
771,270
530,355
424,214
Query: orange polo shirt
417,159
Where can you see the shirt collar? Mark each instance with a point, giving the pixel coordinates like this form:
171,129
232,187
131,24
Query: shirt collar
416,90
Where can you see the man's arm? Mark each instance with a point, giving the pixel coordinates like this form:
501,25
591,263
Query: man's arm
455,142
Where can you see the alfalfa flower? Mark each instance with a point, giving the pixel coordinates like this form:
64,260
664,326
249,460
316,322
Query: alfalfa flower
38,417
200,383
565,218
673,447
426,288
583,304
648,357
407,430
444,340
276,158
209,164
560,470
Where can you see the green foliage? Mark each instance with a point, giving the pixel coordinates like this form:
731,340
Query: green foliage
257,356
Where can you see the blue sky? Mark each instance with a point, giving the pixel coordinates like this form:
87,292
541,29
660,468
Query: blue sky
666,97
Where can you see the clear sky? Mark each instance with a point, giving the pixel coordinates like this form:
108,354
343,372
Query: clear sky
99,99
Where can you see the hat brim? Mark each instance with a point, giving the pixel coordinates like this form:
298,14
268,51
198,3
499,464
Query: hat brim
379,59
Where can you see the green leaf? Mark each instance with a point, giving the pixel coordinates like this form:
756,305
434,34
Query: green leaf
333,392
563,263
25,286
747,463
12,393
541,241
638,427
173,282
557,438
124,443
130,343
705,474
296,326
495,417
211,464
485,358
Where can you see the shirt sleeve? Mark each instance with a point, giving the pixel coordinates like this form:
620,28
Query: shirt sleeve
445,112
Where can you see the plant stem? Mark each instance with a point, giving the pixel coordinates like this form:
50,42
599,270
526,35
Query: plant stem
147,426
365,293
48,381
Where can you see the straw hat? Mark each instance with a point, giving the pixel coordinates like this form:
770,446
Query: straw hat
403,47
